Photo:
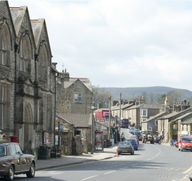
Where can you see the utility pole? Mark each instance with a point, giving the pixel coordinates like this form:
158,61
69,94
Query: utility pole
120,107
109,117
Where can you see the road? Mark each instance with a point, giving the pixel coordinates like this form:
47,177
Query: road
152,162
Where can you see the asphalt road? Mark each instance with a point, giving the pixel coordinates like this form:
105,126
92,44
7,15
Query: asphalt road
152,162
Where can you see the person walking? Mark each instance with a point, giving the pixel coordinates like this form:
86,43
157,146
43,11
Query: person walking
122,136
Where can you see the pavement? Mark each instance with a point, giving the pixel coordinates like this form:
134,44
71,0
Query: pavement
76,159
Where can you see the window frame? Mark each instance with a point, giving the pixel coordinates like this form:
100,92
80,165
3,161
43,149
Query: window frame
79,97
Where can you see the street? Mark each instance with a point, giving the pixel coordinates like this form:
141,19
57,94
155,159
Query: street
151,162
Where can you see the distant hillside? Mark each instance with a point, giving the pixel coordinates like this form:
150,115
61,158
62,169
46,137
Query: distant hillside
131,92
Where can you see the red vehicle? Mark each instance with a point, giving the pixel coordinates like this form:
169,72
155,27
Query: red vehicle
185,143
101,115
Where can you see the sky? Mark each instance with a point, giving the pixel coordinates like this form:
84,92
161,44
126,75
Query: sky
120,43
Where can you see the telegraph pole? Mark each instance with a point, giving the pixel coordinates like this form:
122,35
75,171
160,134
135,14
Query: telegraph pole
120,107
109,117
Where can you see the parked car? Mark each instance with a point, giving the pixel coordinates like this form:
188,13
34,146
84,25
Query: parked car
13,161
185,143
125,147
133,142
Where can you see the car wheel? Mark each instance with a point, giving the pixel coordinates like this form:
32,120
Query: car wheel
136,149
10,175
132,153
31,172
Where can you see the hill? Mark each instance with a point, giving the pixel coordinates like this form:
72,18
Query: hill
131,92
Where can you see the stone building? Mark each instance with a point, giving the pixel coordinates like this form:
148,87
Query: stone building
77,136
76,97
27,78
139,113
181,112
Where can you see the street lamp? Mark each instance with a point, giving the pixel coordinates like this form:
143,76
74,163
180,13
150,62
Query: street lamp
92,108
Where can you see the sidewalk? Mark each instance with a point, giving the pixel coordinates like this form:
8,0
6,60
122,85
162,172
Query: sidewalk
76,159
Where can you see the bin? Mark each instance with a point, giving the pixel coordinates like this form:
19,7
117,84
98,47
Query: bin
43,152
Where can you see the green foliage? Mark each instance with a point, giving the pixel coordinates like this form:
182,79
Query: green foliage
101,96
171,130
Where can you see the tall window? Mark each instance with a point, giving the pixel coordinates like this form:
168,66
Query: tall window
24,54
42,62
77,98
23,57
3,60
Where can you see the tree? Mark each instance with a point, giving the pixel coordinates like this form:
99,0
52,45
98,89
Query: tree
174,96
101,96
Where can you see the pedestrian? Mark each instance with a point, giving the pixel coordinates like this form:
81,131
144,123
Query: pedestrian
122,136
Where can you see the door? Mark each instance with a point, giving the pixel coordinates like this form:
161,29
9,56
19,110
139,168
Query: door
15,158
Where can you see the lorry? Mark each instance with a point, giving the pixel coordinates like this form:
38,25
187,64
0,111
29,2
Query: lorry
147,136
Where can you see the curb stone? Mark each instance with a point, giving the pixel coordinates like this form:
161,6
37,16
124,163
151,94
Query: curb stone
75,163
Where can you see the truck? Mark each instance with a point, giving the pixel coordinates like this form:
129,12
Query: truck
147,136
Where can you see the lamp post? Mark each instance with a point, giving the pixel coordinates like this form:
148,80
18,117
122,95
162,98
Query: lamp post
92,129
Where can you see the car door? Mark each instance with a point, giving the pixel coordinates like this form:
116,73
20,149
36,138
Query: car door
24,165
15,158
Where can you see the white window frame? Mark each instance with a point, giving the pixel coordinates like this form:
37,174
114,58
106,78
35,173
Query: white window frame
142,111
79,97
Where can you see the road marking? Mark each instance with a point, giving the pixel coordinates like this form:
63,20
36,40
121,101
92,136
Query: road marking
171,169
188,170
110,172
89,177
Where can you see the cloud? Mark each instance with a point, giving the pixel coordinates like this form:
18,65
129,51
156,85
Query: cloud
120,43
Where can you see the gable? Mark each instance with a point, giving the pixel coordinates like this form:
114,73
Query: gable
22,23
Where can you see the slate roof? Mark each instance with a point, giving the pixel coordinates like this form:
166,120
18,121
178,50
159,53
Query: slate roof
125,106
185,115
175,114
159,115
79,120
146,106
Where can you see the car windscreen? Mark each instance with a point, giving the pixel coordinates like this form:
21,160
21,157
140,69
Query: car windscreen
131,140
2,150
188,140
124,144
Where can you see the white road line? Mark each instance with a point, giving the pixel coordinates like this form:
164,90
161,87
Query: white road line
110,172
89,177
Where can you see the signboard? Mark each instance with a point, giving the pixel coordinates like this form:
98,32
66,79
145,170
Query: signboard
46,138
102,120
56,140
184,132
61,126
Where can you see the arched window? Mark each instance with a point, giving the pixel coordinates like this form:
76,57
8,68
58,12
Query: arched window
25,54
4,45
42,72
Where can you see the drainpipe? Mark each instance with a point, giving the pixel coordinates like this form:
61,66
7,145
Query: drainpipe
15,49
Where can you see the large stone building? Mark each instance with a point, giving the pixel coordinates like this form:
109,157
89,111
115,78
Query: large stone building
27,78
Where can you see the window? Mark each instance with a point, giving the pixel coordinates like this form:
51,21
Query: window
24,55
3,52
12,150
77,97
18,149
2,150
143,113
156,122
43,58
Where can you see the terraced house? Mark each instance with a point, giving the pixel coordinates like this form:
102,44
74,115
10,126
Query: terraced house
27,78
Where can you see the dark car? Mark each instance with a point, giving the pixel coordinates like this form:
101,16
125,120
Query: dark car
125,147
13,161
156,138
138,134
